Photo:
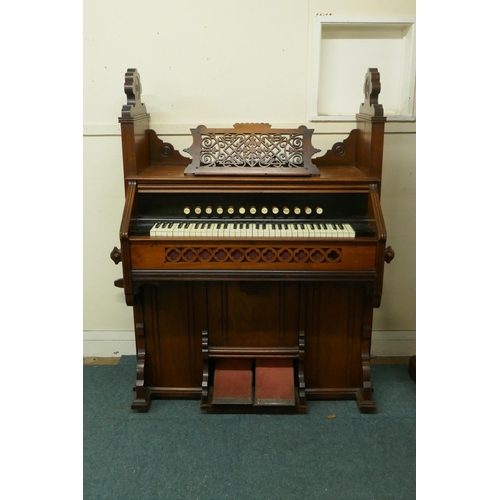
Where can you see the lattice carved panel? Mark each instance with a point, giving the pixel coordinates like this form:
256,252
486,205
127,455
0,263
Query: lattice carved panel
252,149
255,255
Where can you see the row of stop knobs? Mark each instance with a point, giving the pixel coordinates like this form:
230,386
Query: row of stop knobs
253,210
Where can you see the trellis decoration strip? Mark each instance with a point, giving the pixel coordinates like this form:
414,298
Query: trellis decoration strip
252,254
251,149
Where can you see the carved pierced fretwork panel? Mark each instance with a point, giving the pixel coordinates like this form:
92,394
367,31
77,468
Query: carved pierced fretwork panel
255,255
251,149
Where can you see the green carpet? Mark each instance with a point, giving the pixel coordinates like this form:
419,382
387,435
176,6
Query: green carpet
177,452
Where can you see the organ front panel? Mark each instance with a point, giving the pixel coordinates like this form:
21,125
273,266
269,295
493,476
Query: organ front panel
252,267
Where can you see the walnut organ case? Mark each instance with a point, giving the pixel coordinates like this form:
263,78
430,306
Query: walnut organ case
252,267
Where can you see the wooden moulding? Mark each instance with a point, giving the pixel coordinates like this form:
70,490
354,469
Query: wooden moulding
252,149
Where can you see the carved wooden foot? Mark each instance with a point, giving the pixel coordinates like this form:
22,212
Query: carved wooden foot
365,401
141,400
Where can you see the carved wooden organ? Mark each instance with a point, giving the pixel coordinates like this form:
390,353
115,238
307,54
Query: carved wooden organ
252,267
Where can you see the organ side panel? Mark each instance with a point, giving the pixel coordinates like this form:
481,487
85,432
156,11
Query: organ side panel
174,316
333,338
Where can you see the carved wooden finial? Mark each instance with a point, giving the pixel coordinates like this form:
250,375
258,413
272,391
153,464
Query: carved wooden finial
133,90
371,90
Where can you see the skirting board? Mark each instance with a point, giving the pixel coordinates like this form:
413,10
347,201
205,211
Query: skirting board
108,343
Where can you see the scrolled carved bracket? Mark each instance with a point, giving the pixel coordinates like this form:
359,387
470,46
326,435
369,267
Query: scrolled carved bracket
389,254
163,153
116,255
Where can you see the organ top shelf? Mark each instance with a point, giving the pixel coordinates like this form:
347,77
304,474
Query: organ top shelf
252,154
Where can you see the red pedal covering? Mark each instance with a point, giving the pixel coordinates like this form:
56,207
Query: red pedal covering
274,382
233,381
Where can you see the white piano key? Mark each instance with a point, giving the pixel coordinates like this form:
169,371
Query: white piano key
176,230
186,230
211,229
152,231
201,230
331,231
310,230
350,231
164,229
323,231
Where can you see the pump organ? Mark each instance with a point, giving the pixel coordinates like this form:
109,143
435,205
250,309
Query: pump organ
252,267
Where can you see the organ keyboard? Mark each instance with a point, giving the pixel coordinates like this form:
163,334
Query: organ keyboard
253,230
252,268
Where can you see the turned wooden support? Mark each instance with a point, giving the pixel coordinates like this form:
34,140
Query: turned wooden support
116,255
389,254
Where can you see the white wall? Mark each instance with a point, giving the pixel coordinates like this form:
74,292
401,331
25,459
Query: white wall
221,62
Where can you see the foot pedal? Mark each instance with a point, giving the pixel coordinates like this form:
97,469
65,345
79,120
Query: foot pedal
233,379
274,382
